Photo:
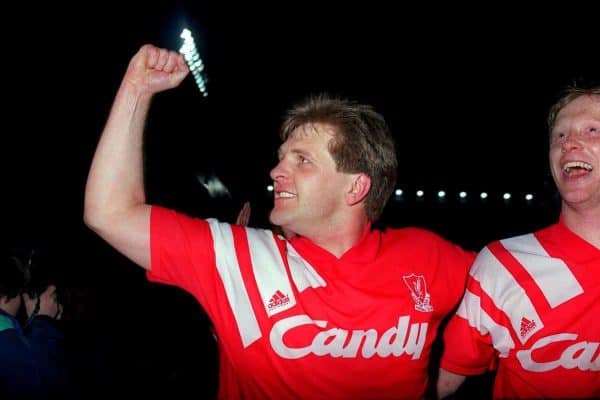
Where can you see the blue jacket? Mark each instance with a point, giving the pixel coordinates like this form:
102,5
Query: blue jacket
32,361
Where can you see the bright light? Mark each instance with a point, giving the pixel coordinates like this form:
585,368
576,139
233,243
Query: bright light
270,188
483,195
398,192
441,194
462,195
420,193
528,197
190,53
506,196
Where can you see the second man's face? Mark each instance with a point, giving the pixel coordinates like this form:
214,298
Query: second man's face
575,151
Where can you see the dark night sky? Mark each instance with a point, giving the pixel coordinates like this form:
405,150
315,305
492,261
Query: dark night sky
466,98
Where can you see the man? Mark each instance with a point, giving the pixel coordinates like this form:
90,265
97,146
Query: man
32,358
338,311
532,301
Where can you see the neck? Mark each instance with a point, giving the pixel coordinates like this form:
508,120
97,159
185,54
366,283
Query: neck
338,239
584,222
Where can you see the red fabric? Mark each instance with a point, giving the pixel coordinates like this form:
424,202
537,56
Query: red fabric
562,357
325,335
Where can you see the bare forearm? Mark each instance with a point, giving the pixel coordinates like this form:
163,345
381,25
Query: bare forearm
115,202
115,181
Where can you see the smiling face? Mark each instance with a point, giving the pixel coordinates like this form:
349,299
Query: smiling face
575,152
309,191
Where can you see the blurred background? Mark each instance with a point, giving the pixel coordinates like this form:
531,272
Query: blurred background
465,92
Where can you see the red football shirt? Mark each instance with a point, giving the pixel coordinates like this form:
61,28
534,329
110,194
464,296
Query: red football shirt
294,321
532,306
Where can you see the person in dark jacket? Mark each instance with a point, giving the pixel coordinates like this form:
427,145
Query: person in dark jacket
32,358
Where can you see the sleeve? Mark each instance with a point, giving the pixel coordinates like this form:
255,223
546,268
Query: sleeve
47,345
181,250
183,254
468,341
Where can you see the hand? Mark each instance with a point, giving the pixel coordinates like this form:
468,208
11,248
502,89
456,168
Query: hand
244,215
49,305
152,69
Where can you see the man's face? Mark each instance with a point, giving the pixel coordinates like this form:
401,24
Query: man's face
309,192
575,152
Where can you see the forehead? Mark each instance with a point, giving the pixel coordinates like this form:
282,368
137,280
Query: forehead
584,105
316,133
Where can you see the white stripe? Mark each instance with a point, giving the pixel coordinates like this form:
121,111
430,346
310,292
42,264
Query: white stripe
551,274
229,271
470,309
505,292
303,274
269,270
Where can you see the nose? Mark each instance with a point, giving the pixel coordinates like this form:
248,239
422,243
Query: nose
571,142
279,171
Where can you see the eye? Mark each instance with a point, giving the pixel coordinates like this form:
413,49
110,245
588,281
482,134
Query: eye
302,159
559,137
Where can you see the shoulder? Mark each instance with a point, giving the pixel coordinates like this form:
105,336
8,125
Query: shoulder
419,238
412,233
514,244
6,323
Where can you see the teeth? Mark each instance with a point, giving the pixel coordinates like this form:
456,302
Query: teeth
576,164
284,194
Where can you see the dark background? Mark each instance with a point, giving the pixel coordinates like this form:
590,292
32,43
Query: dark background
465,92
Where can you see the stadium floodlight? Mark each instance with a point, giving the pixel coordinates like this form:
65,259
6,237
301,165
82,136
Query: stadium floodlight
192,57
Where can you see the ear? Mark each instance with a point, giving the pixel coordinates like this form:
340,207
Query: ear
360,186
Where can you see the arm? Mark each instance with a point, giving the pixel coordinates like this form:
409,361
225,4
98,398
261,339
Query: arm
448,383
115,202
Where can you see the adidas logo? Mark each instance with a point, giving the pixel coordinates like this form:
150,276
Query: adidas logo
278,300
526,326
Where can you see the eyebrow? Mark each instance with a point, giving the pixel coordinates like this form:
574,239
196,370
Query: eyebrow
295,151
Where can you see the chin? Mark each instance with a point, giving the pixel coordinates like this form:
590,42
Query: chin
273,218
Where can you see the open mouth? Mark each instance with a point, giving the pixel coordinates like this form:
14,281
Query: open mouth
573,166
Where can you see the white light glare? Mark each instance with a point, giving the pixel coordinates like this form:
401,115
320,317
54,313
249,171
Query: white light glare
528,197
483,195
270,188
420,193
398,192
462,195
441,194
506,196
188,49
